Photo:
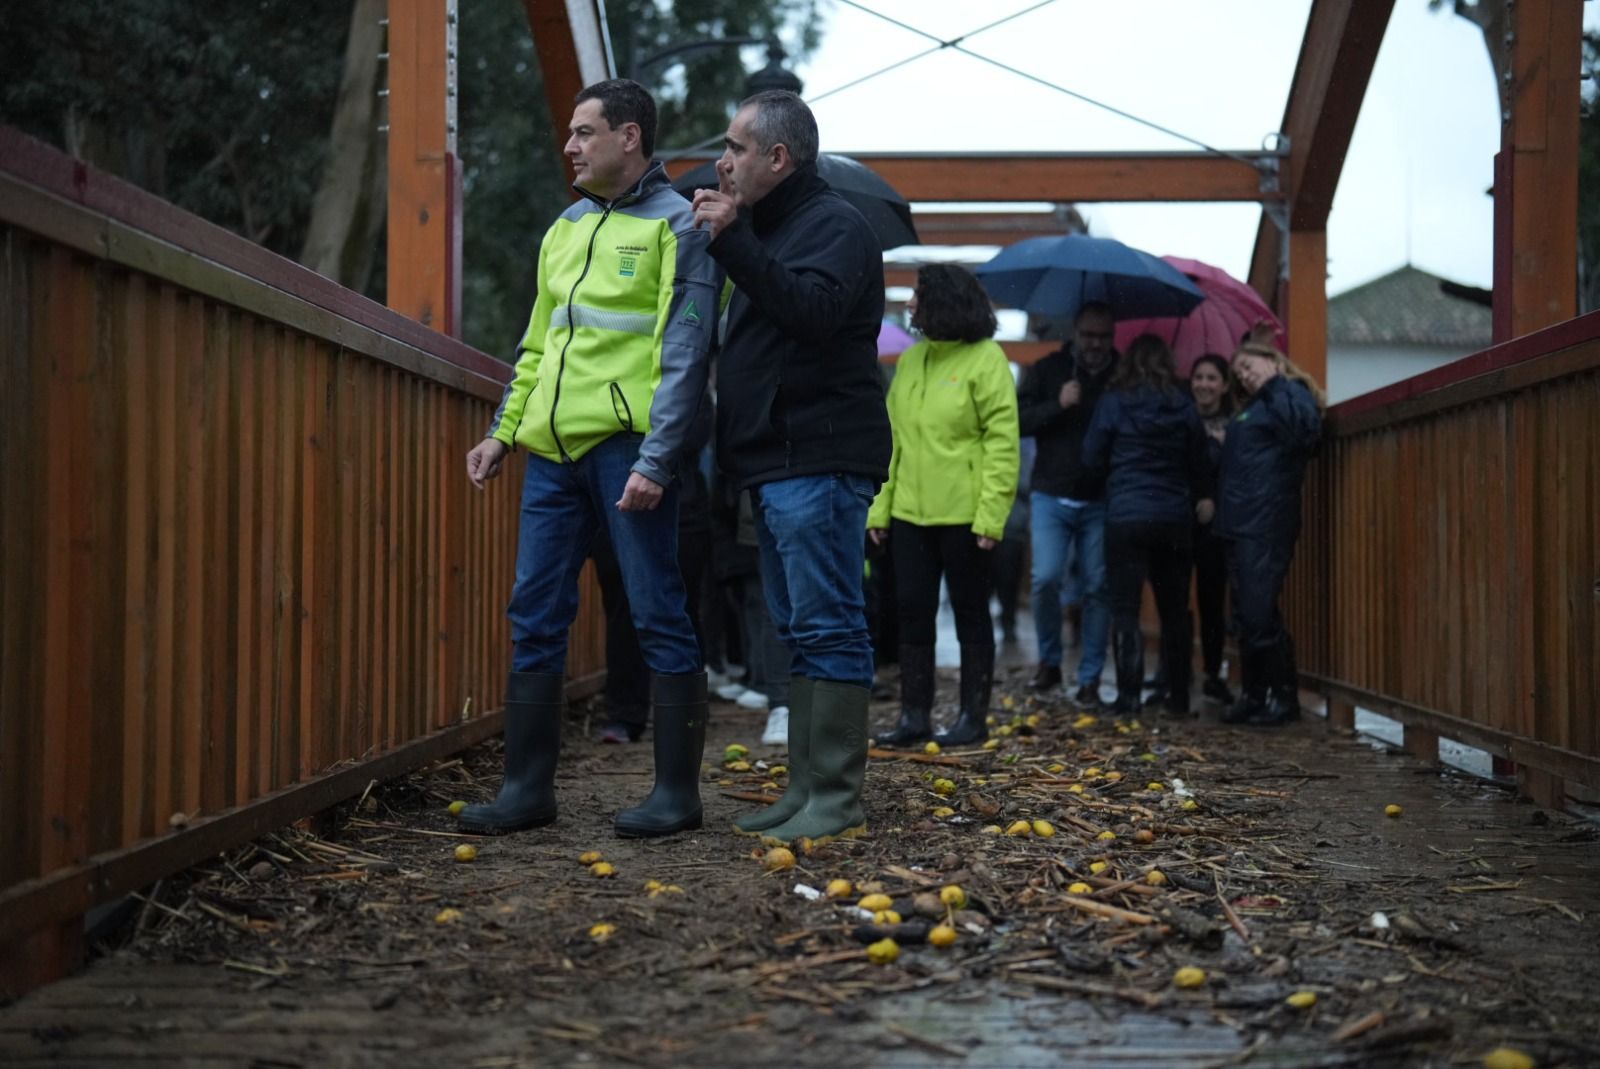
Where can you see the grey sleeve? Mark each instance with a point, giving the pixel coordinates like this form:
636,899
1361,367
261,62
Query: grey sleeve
690,296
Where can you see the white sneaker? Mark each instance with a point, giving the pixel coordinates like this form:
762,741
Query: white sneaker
751,699
716,680
777,733
730,691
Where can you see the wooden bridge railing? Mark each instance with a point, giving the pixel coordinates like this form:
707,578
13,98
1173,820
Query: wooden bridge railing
240,553
1449,572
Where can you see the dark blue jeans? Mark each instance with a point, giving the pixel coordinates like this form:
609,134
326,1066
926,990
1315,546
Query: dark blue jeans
812,534
562,507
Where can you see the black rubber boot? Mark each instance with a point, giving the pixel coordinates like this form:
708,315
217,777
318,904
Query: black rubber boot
535,702
838,768
1252,695
680,739
917,682
794,796
1283,687
977,683
1127,650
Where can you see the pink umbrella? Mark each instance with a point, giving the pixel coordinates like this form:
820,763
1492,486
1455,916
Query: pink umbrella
1217,323
892,339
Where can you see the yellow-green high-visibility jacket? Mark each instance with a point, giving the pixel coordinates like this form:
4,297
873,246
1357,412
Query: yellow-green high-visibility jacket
953,409
621,327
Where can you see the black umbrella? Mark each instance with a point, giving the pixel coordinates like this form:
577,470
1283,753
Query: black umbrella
885,210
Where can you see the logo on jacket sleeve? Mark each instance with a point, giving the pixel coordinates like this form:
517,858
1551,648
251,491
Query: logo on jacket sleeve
690,314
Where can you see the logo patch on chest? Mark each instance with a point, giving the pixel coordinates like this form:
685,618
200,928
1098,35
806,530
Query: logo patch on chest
628,259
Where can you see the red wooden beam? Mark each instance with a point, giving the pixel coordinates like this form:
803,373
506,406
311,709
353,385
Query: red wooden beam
574,51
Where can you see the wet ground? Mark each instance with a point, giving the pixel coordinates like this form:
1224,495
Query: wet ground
1464,924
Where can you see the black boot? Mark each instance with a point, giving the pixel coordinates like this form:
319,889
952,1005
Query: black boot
535,702
1216,689
1127,650
1283,687
916,698
1252,695
977,683
680,739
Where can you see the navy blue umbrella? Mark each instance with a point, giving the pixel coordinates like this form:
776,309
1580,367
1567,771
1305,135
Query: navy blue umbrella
1055,276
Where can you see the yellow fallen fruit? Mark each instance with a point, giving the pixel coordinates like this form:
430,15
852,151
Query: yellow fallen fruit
447,916
1113,775
1507,1058
1097,867
886,916
1019,828
653,886
456,807
943,811
944,787
590,857
839,888
777,859
991,744
1079,888
1008,702
1155,878
931,747
1188,976
1076,788
953,895
941,935
1189,805
1302,1000
1124,729
874,903
1005,731
1154,786
1392,810
1056,768
1085,721
466,852
1135,725
883,952
735,750
603,869
1094,772
601,932
778,770
1106,836
991,721
1043,829
1147,757
992,829
738,766
1032,720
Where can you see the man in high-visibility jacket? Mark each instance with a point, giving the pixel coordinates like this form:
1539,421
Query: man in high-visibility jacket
610,375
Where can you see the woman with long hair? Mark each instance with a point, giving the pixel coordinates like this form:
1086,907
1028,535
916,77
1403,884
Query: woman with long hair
1147,440
1211,386
952,478
1263,461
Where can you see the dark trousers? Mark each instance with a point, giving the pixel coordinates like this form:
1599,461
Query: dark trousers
1211,596
1258,570
627,677
1009,558
921,556
1163,554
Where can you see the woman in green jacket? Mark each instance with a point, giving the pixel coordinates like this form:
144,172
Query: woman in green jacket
953,408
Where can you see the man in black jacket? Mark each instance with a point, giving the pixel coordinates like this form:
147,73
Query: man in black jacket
1055,403
801,421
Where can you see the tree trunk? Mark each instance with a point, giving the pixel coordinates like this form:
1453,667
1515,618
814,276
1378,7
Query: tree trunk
349,211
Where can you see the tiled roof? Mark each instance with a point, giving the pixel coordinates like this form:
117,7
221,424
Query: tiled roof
1407,307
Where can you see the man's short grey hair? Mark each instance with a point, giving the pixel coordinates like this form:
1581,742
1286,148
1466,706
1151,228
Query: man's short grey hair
782,118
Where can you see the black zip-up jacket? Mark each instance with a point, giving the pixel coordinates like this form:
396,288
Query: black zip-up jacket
1263,460
1058,432
1149,446
798,386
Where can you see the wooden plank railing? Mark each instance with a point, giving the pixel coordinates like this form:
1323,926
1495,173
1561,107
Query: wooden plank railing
240,550
1449,571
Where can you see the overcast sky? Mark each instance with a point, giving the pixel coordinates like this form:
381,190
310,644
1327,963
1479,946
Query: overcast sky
1413,185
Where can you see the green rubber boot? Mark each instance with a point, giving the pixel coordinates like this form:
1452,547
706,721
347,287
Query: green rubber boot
794,796
838,766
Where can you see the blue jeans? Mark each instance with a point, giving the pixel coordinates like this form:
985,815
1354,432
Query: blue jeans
812,535
562,507
1062,534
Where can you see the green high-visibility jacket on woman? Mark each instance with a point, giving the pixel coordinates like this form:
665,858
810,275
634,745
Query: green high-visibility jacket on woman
620,333
953,409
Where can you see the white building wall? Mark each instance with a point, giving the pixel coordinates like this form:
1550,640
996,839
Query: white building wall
1357,369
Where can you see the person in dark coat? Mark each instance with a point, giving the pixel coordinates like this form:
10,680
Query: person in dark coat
1258,514
1147,442
1211,386
802,423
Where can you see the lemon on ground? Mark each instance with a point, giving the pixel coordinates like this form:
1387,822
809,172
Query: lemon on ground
1507,1058
1031,720
466,852
447,916
1097,867
943,811
1189,976
1189,805
1155,878
953,895
1079,888
1113,775
992,829
1076,788
839,888
778,858
883,952
886,916
944,787
1043,829
1147,756
1302,1000
991,744
1392,810
942,935
457,806
1093,772
603,869
738,766
601,932
735,750
1153,785
1106,836
1056,768
931,747
1019,828
873,903
778,770
1084,721
589,857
